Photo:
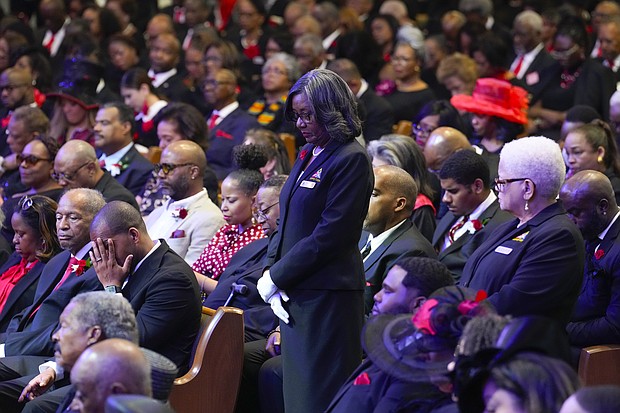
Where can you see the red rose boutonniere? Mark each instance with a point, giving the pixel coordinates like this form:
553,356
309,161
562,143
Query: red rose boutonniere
180,213
599,254
362,380
477,224
302,154
80,266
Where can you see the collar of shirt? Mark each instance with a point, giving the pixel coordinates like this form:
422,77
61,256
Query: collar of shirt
159,78
59,36
595,49
483,206
616,63
152,111
489,23
327,42
185,202
363,88
602,235
528,58
115,157
375,242
226,110
474,215
157,244
82,254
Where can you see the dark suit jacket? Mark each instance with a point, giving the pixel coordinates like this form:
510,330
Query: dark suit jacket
596,317
405,241
456,255
532,77
23,293
229,133
535,269
134,177
379,116
246,267
164,294
31,335
174,89
113,191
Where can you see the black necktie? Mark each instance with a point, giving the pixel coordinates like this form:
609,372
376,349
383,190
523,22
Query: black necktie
366,250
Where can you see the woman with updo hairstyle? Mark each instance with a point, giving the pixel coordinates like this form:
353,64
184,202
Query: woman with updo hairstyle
278,162
593,146
35,241
140,95
177,121
458,73
238,195
402,151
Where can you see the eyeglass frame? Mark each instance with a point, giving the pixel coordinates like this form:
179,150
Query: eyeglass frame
170,166
565,54
28,159
305,117
417,128
68,176
261,214
503,182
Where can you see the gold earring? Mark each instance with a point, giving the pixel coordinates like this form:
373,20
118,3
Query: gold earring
600,159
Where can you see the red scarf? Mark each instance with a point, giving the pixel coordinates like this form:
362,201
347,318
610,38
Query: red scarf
11,277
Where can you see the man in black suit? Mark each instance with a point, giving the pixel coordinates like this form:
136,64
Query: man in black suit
589,200
379,114
228,123
164,56
473,209
389,234
51,36
113,129
159,285
532,57
76,166
63,277
609,40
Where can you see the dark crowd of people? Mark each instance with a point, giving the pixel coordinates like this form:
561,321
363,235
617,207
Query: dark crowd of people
414,203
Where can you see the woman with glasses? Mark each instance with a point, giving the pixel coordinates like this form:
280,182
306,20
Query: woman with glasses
36,165
238,197
279,74
574,80
433,115
532,265
35,241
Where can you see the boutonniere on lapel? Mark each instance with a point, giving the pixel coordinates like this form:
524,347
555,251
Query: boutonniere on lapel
148,125
118,167
599,254
302,154
362,380
179,213
317,175
80,266
521,238
475,225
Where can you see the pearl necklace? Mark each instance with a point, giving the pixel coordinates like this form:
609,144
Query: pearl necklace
316,153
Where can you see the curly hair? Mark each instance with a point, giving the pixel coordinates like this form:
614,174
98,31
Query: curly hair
424,274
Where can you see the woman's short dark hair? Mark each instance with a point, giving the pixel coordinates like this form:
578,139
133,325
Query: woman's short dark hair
574,28
284,39
448,115
136,77
188,120
333,104
39,213
249,159
51,145
493,48
39,64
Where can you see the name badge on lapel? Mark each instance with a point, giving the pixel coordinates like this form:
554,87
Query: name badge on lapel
503,250
307,184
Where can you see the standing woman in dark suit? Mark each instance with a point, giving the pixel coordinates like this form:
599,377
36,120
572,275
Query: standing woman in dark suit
314,279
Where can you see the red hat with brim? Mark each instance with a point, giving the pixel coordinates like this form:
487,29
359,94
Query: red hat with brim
495,97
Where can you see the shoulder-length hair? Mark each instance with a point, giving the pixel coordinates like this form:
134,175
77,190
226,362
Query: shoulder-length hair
39,213
333,104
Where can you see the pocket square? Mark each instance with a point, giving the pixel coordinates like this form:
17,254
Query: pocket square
221,134
362,380
179,233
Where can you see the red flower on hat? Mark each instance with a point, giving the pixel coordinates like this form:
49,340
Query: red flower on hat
362,380
302,154
422,318
599,254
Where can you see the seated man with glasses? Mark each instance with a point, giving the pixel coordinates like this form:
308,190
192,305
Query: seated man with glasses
189,219
228,123
76,166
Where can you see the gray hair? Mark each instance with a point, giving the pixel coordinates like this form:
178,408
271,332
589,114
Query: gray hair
537,158
111,312
312,40
293,72
333,104
531,19
91,200
484,7
412,40
34,119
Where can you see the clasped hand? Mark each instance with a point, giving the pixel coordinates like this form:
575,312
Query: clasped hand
272,295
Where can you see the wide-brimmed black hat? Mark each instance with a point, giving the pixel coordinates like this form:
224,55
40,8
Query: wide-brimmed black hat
79,82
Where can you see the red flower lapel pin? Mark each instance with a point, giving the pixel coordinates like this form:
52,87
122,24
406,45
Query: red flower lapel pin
362,380
302,154
599,254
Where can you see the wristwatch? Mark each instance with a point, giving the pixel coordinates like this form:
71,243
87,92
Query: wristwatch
114,289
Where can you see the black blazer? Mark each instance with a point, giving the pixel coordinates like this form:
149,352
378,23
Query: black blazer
532,81
113,191
139,170
22,294
405,241
456,255
596,317
535,269
379,115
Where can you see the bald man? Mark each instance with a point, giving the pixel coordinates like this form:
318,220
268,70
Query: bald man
113,366
590,201
76,166
164,56
160,23
16,89
189,219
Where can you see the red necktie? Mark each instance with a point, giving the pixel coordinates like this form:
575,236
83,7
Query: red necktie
72,262
599,52
213,119
518,66
49,43
456,227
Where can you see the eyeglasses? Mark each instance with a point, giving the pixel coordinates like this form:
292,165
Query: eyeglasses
500,184
557,54
305,117
25,203
166,168
273,70
9,88
68,176
417,129
401,59
261,214
29,159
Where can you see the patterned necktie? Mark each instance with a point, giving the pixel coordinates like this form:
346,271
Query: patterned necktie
456,227
366,250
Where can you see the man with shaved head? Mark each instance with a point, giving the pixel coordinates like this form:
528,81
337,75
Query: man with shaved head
76,166
160,23
189,219
590,201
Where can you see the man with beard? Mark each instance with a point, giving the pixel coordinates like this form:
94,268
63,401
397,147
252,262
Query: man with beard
189,219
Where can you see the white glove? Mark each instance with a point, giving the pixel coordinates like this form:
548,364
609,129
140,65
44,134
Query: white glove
265,286
276,305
